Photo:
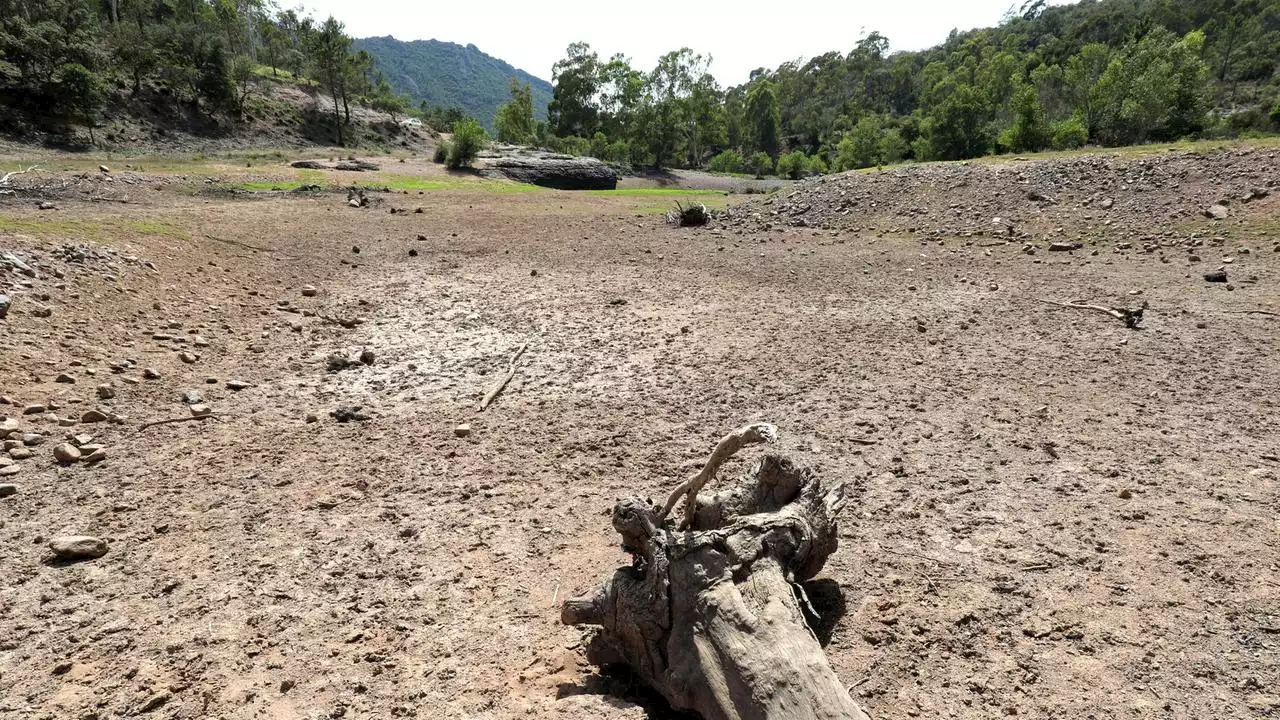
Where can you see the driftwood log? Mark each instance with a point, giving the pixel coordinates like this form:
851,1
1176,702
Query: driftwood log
711,617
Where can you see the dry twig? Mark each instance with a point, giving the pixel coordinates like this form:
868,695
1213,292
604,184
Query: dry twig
1131,318
490,396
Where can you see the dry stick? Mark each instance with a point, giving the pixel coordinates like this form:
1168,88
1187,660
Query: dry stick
1252,312
5,180
511,372
1125,316
753,434
193,418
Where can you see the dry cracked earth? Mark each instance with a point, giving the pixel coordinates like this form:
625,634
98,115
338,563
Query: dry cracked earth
1053,516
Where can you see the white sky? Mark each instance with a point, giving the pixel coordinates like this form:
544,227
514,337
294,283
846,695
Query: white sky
740,36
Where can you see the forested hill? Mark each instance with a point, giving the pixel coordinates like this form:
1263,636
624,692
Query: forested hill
450,75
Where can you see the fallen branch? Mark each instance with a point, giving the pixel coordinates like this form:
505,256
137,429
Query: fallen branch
753,434
490,396
193,418
5,180
1131,318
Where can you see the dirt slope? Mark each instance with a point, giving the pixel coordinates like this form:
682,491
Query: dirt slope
1056,516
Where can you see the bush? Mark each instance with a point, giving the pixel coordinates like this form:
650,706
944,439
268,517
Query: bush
1069,134
817,166
893,148
468,138
442,153
761,164
1275,113
794,164
729,161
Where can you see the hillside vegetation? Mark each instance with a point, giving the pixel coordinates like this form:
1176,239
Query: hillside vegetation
447,75
197,66
1104,72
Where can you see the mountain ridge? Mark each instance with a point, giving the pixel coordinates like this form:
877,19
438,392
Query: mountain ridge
447,74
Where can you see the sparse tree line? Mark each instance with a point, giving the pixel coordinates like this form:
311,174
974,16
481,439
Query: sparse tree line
62,60
1109,72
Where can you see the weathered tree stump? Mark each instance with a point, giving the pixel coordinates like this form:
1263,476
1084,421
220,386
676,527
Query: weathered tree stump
710,615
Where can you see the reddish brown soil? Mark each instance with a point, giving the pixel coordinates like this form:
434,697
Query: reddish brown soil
1055,516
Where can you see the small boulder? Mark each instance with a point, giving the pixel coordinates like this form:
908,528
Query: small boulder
1217,211
78,547
66,453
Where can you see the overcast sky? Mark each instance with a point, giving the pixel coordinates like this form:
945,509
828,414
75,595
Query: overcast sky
740,36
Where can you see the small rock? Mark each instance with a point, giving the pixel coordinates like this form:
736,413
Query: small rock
93,416
201,410
188,357
237,385
1217,212
192,397
106,392
62,668
78,547
6,490
533,273
312,418
1064,247
413,252
199,341
46,205
347,413
5,304
20,453
82,439
66,453
32,439
34,409
309,291
1219,276
8,470
98,455
154,702
618,301
151,374
1107,204
366,356
462,430
41,311
65,379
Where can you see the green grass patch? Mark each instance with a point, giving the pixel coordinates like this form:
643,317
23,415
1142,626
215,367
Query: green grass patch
99,230
655,192
718,201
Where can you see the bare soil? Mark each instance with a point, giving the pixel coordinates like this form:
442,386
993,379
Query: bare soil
1055,516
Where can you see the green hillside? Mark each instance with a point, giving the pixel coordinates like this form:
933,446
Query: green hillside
450,75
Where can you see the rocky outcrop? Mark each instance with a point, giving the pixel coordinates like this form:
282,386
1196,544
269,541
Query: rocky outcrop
562,172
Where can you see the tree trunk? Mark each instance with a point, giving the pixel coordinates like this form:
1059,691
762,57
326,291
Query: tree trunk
709,616
337,117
